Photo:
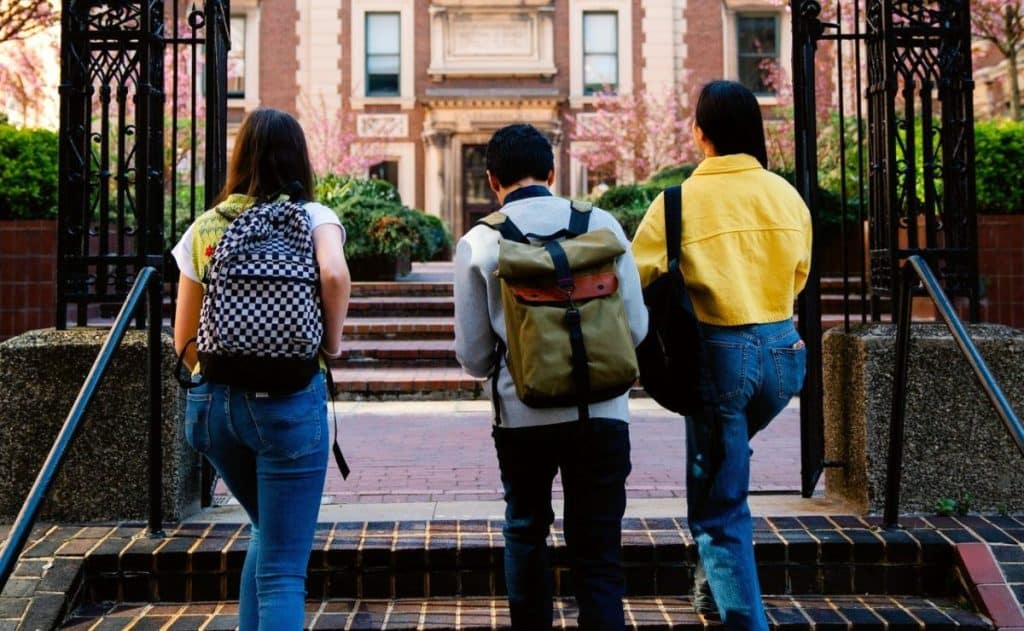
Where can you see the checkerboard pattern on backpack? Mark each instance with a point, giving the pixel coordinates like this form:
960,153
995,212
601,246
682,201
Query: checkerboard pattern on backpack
262,296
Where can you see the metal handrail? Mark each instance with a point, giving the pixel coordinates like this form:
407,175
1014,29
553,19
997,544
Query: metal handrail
917,270
148,279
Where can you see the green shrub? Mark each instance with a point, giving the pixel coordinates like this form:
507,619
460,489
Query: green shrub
671,176
334,189
376,222
628,203
999,155
28,173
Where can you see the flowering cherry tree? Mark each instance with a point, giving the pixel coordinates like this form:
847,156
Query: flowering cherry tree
21,19
634,135
26,49
333,145
1001,22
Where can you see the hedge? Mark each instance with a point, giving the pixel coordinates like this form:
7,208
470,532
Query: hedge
28,173
999,166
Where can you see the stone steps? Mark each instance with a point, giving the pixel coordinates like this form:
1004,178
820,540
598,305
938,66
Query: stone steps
401,306
414,328
479,614
820,572
404,382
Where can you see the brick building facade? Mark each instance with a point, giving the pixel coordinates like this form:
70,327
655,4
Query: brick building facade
428,81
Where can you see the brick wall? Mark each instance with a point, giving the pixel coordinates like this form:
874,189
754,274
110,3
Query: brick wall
1001,263
704,41
278,60
28,276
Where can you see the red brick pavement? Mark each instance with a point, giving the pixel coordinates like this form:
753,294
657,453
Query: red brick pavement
421,451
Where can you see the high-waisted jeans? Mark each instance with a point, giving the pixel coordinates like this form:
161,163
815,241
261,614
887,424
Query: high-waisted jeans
271,452
750,373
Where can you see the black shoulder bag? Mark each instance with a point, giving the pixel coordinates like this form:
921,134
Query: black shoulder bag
669,356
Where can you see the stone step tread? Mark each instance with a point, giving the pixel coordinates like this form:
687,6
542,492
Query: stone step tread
411,349
402,288
365,381
412,324
400,306
478,614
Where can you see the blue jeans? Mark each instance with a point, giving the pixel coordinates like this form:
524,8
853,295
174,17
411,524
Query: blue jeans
594,460
271,452
750,373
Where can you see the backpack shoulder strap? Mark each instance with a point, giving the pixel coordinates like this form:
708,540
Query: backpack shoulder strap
673,225
499,221
579,220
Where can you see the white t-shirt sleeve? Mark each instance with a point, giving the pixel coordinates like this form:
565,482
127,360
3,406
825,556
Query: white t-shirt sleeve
320,215
182,254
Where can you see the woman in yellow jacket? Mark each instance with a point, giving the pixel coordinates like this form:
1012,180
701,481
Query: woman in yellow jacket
746,252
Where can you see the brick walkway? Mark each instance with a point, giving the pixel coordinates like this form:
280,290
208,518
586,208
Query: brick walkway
420,451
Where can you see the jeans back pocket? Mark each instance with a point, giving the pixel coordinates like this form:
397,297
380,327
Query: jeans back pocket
726,365
290,425
197,420
790,367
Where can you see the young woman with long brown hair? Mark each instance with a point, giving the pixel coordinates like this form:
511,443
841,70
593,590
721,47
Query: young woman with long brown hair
269,448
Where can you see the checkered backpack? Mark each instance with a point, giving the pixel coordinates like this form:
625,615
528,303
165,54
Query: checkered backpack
261,322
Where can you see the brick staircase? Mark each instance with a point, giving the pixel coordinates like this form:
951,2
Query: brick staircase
399,338
836,572
399,342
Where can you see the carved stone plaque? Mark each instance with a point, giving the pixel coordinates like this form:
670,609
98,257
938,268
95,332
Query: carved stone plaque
492,41
492,35
382,125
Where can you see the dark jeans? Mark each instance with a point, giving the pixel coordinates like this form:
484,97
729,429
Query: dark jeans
594,461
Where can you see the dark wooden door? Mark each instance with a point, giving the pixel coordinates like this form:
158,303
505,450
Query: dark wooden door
477,198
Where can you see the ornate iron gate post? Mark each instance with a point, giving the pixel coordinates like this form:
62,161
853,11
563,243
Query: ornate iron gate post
110,221
806,30
128,142
920,164
922,144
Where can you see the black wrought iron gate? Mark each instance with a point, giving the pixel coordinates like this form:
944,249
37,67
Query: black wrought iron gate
883,110
143,112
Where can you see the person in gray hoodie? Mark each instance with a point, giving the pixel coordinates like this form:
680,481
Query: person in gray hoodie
533,444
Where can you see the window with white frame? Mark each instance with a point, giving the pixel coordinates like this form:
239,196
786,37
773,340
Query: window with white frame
383,54
236,57
600,48
600,51
381,66
757,51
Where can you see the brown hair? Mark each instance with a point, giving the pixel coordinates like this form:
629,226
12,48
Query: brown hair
270,156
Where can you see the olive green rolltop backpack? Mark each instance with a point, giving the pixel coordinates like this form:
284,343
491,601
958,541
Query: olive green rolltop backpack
569,340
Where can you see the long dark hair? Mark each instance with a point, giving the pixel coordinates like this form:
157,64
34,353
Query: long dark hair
270,156
730,117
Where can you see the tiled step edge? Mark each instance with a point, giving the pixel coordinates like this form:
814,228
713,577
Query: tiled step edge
979,572
479,614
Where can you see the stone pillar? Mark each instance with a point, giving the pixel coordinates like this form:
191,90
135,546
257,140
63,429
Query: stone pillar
104,476
436,202
955,446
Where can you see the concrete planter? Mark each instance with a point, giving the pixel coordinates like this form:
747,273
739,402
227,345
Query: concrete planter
955,445
105,474
379,268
